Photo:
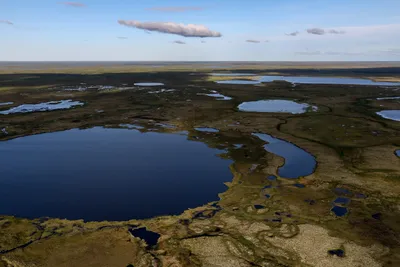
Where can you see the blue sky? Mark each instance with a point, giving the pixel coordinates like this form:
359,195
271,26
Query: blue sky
252,30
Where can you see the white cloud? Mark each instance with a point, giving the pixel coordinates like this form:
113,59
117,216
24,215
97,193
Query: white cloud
6,22
190,30
253,41
179,42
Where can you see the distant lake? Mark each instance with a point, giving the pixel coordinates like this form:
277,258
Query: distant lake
309,80
277,106
108,174
325,80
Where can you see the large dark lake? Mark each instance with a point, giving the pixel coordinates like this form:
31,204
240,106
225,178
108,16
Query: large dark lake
108,174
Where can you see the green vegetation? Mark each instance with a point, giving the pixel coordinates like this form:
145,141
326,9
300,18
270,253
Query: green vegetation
353,147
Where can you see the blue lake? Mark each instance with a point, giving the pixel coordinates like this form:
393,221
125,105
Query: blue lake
298,162
311,80
325,80
108,174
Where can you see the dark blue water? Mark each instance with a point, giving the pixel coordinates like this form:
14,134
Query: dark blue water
298,162
339,211
107,174
150,237
342,200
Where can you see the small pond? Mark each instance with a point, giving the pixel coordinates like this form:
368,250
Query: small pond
390,114
232,74
217,95
298,162
162,91
206,130
108,174
277,106
238,82
6,103
48,106
149,84
388,98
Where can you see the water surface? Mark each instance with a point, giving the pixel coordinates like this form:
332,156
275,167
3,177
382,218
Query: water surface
6,103
393,115
310,80
48,106
206,130
298,162
149,84
326,80
108,174
232,74
162,91
238,82
150,237
276,106
218,96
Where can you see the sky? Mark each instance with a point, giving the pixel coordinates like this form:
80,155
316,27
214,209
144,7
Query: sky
200,30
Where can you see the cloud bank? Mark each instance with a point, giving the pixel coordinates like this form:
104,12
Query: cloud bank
6,22
319,31
293,33
253,41
190,30
175,8
73,4
179,42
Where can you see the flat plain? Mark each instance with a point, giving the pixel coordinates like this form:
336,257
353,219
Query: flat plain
345,213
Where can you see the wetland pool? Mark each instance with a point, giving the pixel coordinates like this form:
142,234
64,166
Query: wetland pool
276,106
393,115
149,84
108,174
47,106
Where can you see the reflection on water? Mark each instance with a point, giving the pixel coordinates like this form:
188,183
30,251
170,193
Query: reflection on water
108,174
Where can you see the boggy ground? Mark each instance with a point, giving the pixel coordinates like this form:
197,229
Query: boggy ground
292,226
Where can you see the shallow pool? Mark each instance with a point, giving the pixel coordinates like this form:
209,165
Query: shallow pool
276,106
393,115
108,174
47,106
149,84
